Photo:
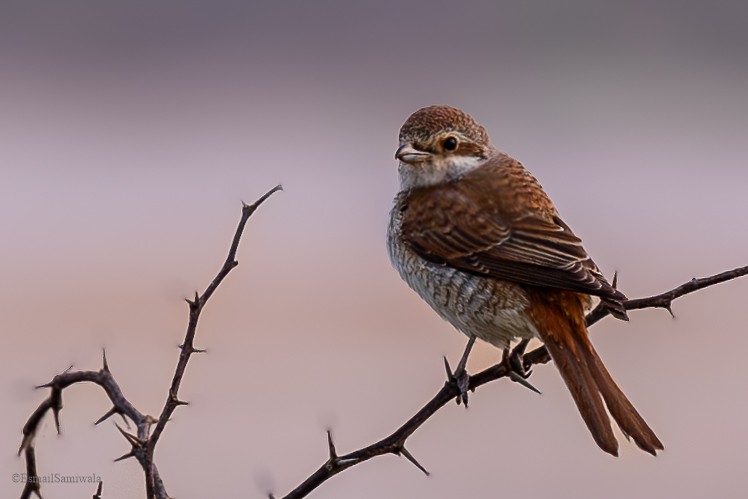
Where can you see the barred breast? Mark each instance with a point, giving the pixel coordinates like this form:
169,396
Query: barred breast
490,309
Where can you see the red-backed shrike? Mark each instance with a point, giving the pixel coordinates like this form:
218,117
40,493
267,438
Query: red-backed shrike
473,233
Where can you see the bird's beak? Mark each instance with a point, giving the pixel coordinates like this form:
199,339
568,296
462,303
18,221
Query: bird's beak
408,154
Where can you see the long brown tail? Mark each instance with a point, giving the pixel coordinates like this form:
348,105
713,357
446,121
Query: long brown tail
561,327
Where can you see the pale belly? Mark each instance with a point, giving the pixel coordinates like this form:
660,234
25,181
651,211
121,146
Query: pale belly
492,310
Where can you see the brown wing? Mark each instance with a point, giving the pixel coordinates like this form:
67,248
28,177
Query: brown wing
467,225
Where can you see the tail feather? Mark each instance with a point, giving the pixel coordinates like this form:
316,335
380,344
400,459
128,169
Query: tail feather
585,393
625,414
565,336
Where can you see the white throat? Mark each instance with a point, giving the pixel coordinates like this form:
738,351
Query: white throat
436,172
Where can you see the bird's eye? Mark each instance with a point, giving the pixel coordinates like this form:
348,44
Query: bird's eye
449,144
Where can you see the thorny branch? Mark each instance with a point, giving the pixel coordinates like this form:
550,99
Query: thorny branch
143,443
395,442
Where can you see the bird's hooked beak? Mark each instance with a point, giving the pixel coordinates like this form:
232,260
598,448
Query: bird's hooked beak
409,154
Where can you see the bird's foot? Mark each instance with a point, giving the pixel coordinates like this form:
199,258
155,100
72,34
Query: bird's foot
460,377
513,359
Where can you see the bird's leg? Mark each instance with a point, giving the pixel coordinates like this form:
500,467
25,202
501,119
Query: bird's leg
514,360
460,377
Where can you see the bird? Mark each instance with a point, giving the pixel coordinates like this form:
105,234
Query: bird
475,235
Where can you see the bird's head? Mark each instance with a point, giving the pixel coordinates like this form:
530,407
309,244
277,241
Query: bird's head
439,144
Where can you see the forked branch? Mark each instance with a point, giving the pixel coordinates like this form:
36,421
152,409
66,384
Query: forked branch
142,442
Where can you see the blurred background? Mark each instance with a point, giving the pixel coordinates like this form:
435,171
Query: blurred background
131,131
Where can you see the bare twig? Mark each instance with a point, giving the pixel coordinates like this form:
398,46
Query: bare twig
142,443
187,348
395,442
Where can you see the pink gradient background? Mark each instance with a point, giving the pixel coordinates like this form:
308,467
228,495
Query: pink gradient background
130,133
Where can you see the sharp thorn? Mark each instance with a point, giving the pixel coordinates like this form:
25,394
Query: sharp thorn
193,303
192,349
189,349
107,415
450,375
614,284
522,381
413,460
125,456
56,414
331,446
105,366
669,308
132,439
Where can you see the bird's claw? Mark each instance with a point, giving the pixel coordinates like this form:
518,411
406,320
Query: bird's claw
460,377
514,361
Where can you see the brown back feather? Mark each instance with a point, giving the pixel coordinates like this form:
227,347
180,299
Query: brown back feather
496,221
